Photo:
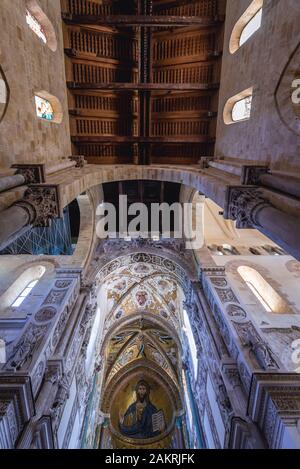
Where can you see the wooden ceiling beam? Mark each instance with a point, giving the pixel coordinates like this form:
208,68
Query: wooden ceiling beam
130,139
143,86
141,20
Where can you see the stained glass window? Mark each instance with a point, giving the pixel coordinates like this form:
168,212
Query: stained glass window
242,109
44,109
35,26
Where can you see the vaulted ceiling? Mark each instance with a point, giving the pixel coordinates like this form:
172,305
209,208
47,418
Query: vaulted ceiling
143,79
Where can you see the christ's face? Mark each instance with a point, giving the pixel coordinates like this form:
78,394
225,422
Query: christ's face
141,392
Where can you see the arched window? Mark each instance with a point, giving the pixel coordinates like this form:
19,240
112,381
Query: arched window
238,108
35,26
44,109
274,251
246,26
262,290
17,290
27,290
40,24
255,251
48,107
251,27
4,94
241,110
191,341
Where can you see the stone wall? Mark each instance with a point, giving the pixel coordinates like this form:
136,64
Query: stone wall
30,66
260,63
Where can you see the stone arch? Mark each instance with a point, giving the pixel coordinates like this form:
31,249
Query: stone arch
126,322
36,11
288,111
92,176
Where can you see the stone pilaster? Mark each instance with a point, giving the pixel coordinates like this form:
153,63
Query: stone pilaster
16,407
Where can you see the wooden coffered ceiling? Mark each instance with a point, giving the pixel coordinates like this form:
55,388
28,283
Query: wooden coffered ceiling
143,78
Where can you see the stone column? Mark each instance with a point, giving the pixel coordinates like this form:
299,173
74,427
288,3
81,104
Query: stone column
287,184
262,176
8,182
43,403
250,209
24,174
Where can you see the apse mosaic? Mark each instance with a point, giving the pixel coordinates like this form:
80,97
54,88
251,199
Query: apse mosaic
141,411
142,419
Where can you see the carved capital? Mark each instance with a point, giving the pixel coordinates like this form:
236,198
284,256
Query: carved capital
42,203
33,173
243,204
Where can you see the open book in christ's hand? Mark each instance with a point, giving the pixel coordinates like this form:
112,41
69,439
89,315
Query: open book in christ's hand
158,421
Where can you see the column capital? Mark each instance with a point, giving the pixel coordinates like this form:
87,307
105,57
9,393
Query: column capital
243,204
32,173
42,202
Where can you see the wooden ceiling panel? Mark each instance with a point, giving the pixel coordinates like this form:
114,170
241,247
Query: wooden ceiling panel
141,88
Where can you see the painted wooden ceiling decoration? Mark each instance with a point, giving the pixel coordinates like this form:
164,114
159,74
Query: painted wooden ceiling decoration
143,79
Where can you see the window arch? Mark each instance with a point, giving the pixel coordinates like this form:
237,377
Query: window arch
238,108
40,24
24,281
27,290
4,94
246,26
48,107
263,291
251,27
